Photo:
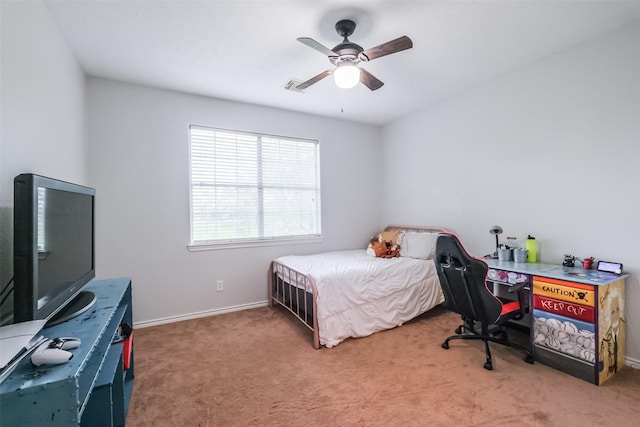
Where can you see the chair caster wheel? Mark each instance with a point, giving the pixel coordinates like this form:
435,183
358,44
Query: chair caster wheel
488,366
445,345
459,330
529,359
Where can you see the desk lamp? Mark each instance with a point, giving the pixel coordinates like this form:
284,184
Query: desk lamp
495,230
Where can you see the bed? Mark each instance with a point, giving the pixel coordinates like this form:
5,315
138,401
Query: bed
351,294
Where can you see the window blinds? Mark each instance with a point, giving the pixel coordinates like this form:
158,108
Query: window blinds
251,187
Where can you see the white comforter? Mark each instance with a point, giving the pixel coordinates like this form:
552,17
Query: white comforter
359,294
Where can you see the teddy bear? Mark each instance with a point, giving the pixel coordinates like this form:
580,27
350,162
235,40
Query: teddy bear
393,251
382,249
376,247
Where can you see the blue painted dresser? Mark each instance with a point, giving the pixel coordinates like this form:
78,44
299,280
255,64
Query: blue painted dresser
93,388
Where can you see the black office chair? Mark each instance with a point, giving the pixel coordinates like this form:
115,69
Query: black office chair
484,315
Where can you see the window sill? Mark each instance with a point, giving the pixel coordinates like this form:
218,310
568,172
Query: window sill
252,244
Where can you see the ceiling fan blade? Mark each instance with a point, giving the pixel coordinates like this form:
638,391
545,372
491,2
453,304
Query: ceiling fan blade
369,80
314,80
317,46
397,45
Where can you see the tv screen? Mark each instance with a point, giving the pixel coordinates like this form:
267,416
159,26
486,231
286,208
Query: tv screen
53,247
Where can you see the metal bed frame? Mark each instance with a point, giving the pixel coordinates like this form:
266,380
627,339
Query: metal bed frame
302,303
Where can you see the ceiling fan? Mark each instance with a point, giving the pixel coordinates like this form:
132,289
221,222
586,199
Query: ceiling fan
347,55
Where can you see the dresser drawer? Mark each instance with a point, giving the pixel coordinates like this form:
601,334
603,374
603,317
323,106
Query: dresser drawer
571,365
564,335
564,308
565,291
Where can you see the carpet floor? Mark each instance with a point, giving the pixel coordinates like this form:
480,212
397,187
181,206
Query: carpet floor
257,368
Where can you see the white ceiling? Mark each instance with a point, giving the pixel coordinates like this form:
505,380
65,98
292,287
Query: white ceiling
247,50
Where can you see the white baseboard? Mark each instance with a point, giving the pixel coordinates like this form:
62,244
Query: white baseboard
172,319
633,363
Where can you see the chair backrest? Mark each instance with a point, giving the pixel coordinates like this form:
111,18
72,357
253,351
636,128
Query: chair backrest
462,278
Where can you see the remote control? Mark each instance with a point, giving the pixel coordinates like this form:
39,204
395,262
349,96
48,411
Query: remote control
54,352
64,343
50,356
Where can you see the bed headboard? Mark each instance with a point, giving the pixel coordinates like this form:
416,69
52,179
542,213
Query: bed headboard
418,228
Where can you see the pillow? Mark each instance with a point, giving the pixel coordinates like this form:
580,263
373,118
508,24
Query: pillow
389,236
418,245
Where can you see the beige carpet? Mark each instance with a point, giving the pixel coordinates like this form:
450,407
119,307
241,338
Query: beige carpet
258,368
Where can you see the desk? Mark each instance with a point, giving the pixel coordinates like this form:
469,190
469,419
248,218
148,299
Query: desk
93,388
577,317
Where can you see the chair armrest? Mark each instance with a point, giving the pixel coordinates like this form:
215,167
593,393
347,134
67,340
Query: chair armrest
517,287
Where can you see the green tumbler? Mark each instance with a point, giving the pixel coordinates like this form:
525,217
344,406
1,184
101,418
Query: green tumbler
532,248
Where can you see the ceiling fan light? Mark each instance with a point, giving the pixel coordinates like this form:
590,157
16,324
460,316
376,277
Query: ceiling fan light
346,76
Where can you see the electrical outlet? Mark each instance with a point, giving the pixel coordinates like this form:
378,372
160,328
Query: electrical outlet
220,285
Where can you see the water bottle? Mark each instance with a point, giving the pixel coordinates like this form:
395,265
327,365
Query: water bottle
532,248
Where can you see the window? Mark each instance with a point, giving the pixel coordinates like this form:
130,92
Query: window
247,187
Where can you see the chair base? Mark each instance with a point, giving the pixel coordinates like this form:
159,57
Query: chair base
496,334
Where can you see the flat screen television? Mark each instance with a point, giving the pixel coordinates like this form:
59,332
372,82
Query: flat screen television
53,248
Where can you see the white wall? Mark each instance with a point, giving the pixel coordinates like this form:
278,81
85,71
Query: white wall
139,165
552,149
42,110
